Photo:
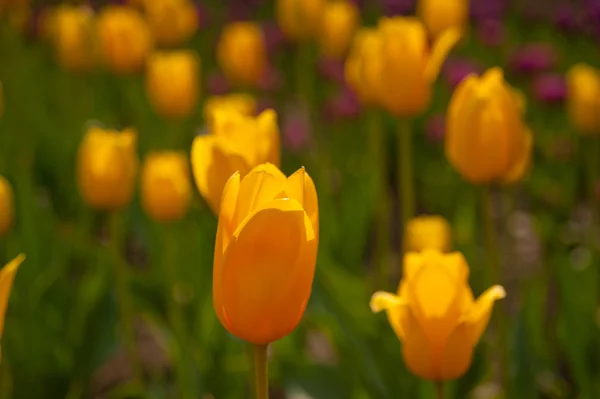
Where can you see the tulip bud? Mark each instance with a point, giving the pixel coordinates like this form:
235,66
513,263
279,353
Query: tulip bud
486,138
171,22
166,187
265,253
244,104
7,276
299,20
236,143
363,65
106,168
172,82
124,38
427,232
441,15
435,315
74,37
338,26
242,54
408,67
583,85
7,206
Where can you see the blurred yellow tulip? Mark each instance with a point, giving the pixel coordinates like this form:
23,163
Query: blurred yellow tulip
486,139
166,187
7,206
106,168
363,65
237,143
124,38
434,314
7,276
583,82
172,82
171,22
241,103
299,19
265,253
427,232
441,15
408,67
242,54
338,26
74,37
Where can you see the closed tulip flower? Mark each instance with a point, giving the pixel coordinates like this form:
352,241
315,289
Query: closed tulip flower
106,168
338,26
363,65
427,232
236,143
265,253
7,276
441,15
486,138
172,82
241,53
166,186
241,103
74,37
171,22
583,98
435,316
299,20
124,38
7,206
408,66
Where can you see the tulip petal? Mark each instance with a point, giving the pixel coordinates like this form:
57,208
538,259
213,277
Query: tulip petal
260,186
433,288
457,354
267,127
441,49
7,276
523,163
479,316
416,349
395,308
267,273
301,187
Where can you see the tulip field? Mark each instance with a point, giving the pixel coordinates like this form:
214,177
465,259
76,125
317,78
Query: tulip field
299,199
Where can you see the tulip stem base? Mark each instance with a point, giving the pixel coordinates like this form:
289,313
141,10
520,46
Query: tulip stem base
406,189
261,375
439,389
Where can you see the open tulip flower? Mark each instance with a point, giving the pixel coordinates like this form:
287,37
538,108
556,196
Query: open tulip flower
265,253
434,314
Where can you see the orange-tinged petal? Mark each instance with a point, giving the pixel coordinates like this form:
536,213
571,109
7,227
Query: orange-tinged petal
478,317
416,349
267,125
523,163
457,355
267,273
301,187
7,276
440,51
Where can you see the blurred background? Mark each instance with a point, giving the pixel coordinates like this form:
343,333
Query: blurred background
67,67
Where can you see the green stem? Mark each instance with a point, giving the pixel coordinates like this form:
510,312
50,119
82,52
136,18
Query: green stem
124,298
261,375
439,389
406,189
495,277
303,70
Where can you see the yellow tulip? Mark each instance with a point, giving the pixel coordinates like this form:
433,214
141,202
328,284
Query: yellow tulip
434,314
427,232
265,253
583,82
7,276
363,65
172,82
338,26
236,143
408,67
241,103
441,15
299,19
106,168
171,22
74,37
124,38
486,139
165,186
242,54
7,206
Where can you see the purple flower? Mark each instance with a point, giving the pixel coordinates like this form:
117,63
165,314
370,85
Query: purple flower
296,127
549,88
217,84
566,18
274,38
487,9
343,105
456,69
271,79
435,128
491,32
534,57
332,69
398,7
